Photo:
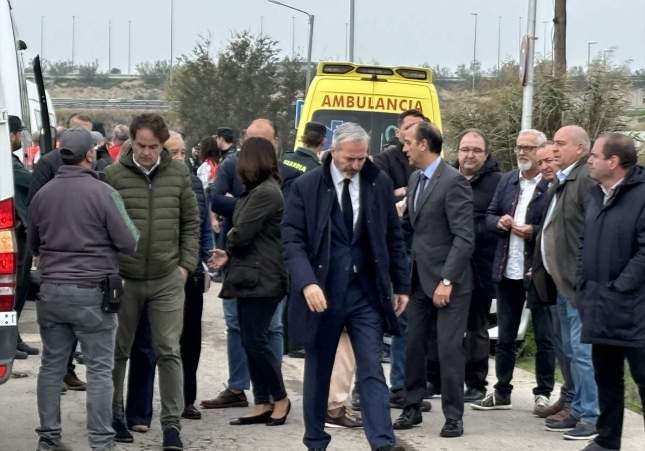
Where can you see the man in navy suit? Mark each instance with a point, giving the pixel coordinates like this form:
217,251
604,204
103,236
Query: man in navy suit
346,256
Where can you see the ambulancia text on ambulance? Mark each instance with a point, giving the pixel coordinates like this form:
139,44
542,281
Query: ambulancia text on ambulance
372,96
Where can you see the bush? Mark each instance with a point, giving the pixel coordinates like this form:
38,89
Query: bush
154,74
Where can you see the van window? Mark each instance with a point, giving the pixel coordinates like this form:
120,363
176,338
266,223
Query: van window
380,126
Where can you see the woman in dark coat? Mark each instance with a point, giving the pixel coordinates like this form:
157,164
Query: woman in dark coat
256,275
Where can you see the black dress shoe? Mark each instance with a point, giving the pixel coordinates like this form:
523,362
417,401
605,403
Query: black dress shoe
122,434
24,347
279,421
20,355
410,417
390,448
256,419
191,413
172,439
452,428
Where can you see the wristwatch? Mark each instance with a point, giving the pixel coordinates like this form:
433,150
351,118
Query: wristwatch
446,283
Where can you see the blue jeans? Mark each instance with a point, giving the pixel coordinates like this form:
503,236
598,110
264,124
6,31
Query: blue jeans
397,356
585,400
238,368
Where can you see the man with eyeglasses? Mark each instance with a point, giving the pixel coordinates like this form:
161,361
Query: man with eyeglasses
482,171
514,214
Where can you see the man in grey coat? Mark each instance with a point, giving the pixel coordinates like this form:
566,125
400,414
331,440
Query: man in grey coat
77,226
439,222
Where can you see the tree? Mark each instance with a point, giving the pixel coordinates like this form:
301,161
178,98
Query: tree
154,74
58,68
245,81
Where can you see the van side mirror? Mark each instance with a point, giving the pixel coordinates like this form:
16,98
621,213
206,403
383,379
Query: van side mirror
22,45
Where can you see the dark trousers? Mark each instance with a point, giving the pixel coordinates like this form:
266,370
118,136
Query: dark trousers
609,368
439,334
141,376
264,367
191,336
542,320
364,325
477,343
510,304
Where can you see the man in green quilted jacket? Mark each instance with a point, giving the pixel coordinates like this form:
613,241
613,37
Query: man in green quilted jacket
159,199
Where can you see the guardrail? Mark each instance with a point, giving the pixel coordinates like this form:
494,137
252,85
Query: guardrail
112,104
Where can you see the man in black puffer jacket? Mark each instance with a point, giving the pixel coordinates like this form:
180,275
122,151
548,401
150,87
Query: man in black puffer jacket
477,164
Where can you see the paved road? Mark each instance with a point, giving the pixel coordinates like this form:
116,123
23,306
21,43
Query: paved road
505,430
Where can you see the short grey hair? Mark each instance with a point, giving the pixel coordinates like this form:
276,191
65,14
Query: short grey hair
537,134
349,131
120,133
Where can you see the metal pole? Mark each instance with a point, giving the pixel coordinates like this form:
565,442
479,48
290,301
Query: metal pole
589,44
309,47
352,24
544,22
293,37
109,45
261,25
499,43
129,46
73,39
474,50
527,98
346,41
519,34
172,26
42,39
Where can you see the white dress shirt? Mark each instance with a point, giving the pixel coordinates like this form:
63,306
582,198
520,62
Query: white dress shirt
515,262
354,189
147,172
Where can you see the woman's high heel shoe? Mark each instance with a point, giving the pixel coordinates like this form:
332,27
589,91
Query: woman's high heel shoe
279,421
256,419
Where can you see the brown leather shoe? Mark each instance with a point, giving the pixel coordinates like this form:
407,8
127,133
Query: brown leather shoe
72,382
226,399
343,418
561,414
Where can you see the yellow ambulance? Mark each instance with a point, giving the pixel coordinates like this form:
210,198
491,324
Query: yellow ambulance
372,96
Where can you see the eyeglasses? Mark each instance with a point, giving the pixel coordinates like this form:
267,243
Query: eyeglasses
525,149
474,150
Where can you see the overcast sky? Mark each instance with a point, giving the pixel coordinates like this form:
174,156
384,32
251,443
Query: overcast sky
401,32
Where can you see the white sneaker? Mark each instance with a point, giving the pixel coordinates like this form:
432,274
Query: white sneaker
541,402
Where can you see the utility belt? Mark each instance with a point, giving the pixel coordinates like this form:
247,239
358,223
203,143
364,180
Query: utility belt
112,289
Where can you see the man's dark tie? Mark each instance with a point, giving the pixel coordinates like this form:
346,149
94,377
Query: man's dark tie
348,212
421,186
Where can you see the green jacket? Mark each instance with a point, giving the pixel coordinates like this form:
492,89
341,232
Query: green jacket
164,209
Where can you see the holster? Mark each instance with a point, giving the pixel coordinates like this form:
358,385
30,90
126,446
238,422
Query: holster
112,287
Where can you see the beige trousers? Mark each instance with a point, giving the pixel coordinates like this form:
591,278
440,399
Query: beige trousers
342,374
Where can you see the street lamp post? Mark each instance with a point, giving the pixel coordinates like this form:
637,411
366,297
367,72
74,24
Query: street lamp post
474,49
351,29
499,43
129,46
544,22
42,37
589,44
73,40
311,37
527,95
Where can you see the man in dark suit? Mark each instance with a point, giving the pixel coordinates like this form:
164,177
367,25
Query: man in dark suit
346,255
440,226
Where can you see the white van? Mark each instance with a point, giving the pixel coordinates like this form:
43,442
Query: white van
8,250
